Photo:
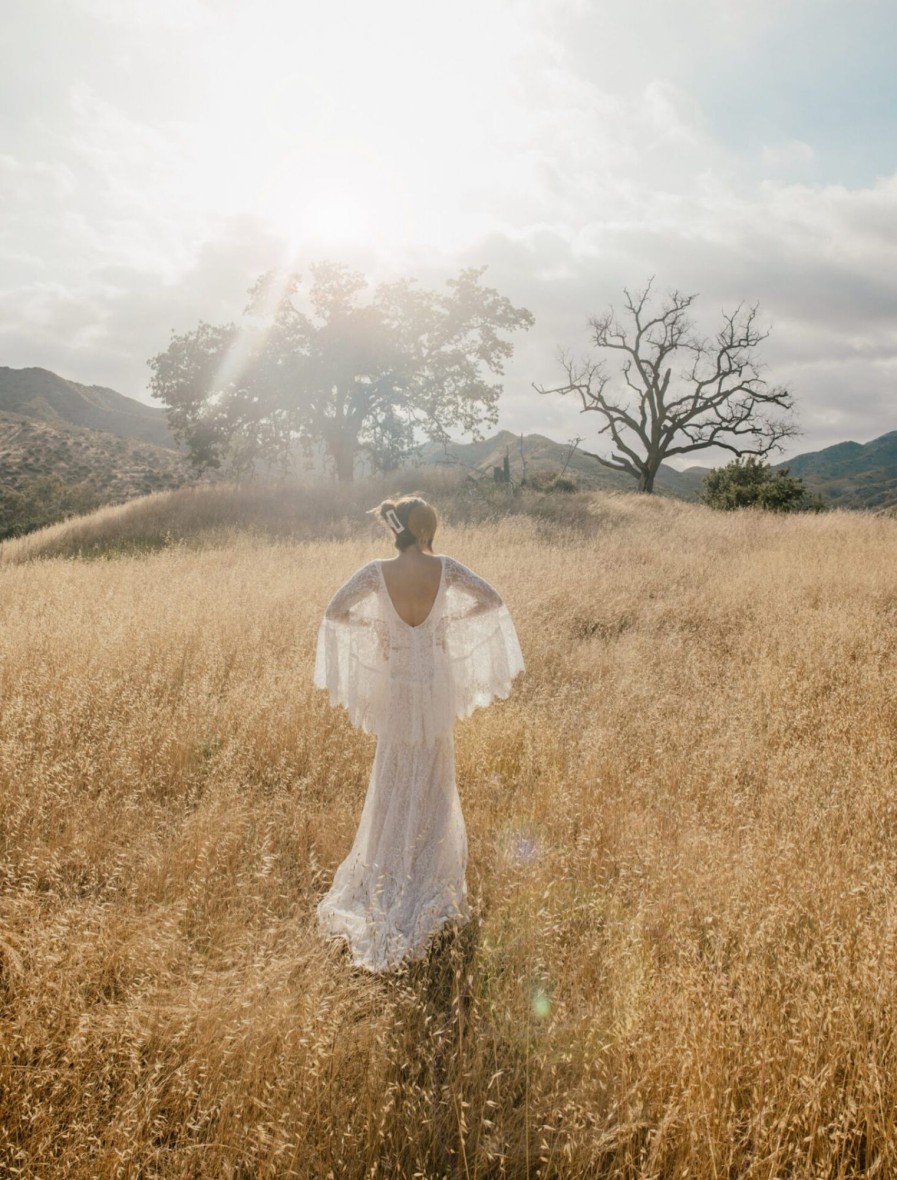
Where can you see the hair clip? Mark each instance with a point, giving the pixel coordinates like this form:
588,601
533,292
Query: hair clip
393,521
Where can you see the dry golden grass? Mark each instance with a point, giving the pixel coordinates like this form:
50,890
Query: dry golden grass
209,514
683,866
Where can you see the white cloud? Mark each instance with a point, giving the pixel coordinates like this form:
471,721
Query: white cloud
177,14
784,155
184,148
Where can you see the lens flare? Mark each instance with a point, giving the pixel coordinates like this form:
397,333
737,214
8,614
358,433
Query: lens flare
249,340
541,1003
519,846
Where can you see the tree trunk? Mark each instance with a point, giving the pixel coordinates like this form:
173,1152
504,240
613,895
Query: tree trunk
648,470
646,482
344,460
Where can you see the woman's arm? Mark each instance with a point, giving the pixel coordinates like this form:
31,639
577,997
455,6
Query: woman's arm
483,596
361,585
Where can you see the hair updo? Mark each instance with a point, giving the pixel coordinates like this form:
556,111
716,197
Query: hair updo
417,518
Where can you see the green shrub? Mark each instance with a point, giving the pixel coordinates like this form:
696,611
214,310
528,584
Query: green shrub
42,501
751,483
548,480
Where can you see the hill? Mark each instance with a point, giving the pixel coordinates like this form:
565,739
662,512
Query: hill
544,454
47,397
847,475
50,469
681,862
208,514
851,474
46,422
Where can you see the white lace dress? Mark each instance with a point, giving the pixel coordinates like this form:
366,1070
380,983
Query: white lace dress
404,877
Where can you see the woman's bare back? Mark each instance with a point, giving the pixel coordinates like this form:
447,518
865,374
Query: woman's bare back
412,582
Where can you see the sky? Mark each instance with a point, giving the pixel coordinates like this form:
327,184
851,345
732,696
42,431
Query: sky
157,157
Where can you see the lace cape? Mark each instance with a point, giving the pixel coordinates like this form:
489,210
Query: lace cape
411,683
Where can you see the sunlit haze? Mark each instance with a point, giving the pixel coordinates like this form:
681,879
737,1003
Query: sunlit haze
155,159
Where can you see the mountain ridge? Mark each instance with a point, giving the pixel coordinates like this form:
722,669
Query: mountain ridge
45,396
847,474
67,448
543,454
851,474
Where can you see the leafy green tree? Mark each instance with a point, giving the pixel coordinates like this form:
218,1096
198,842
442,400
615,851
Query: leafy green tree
751,483
676,392
356,376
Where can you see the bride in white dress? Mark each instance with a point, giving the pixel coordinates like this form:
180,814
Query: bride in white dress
407,646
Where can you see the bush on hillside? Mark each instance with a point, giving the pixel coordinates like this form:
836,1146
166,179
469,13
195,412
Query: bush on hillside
41,501
549,480
751,483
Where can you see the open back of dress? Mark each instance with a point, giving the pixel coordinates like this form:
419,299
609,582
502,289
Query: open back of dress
404,877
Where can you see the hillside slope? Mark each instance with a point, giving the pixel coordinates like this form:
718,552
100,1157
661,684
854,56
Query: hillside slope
49,470
207,513
544,454
47,397
681,860
851,474
847,475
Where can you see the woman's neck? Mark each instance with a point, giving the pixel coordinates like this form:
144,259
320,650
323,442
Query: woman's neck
414,553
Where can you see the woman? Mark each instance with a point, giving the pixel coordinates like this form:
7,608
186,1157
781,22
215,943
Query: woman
407,645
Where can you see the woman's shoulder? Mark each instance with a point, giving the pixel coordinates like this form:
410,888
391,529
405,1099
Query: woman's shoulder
366,575
367,568
455,563
451,565
457,572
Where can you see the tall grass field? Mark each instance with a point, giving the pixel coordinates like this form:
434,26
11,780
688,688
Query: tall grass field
683,856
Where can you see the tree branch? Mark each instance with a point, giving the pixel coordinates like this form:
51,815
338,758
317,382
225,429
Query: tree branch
718,399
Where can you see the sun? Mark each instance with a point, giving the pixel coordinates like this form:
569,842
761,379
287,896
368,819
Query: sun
335,219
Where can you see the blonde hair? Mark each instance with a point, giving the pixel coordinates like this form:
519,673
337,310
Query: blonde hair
417,518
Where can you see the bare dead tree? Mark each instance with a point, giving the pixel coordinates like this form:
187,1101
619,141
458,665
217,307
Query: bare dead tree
572,444
717,398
